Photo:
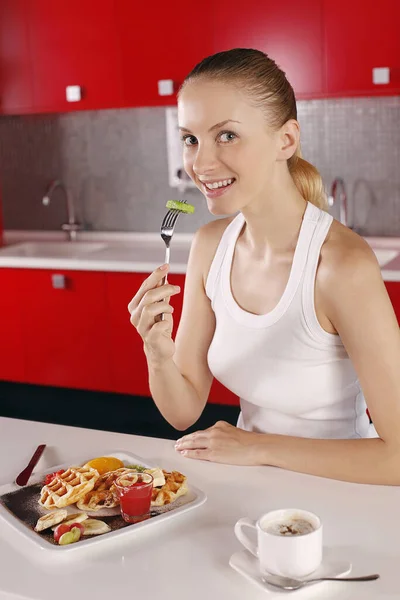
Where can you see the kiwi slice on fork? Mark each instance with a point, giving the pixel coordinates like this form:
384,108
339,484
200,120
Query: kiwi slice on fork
182,206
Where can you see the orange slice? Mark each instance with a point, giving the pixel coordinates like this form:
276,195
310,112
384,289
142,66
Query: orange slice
104,464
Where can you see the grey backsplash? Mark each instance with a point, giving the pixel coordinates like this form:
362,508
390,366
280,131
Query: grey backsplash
115,163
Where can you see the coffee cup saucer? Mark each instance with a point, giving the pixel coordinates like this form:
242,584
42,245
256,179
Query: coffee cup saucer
332,566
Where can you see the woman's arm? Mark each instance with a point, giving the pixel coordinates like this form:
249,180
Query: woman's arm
356,302
180,386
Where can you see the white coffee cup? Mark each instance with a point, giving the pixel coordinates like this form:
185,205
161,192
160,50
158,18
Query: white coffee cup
287,555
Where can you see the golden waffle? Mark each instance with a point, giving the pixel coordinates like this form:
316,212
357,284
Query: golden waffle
68,487
175,486
103,494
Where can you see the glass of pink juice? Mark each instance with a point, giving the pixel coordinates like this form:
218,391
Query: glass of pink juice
134,491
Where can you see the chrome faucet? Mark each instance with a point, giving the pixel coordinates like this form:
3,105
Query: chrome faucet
72,226
338,183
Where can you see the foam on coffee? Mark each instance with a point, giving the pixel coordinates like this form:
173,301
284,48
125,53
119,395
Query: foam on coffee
289,526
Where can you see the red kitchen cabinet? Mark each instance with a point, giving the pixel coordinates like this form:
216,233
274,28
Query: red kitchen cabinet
393,288
65,329
359,36
220,395
161,42
12,303
127,360
16,94
1,219
290,32
74,43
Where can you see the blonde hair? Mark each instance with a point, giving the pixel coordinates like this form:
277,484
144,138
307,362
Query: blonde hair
266,85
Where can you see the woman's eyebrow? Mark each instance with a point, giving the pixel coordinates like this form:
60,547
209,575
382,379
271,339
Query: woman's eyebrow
216,126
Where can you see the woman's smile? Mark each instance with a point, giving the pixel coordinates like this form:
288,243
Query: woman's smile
218,187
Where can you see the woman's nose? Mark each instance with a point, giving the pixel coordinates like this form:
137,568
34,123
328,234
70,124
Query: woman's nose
205,161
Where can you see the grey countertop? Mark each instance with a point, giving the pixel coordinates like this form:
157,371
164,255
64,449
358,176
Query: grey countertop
131,252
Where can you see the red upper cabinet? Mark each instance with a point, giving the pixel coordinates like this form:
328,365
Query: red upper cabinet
74,43
361,36
15,61
290,32
160,42
115,53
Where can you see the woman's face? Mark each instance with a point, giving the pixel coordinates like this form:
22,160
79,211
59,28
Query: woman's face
228,150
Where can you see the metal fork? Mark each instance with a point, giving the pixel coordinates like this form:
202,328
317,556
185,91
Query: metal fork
167,231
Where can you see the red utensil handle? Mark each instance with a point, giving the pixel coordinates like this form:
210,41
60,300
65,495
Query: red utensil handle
23,477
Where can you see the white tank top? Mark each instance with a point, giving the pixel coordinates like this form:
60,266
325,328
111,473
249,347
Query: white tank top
292,377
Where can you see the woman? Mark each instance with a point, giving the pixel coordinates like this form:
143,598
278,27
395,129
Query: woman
283,304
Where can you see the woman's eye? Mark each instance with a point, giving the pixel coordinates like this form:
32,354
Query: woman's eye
189,140
227,136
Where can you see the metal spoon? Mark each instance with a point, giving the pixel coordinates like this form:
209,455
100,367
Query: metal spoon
287,583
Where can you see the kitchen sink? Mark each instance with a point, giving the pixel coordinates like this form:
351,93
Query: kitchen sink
51,249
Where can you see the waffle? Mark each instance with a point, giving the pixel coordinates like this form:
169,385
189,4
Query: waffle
103,494
68,487
175,486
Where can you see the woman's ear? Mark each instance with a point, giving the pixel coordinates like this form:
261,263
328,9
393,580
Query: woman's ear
288,139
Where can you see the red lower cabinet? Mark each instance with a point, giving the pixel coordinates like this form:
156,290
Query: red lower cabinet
219,394
127,360
393,288
129,373
65,329
72,329
12,303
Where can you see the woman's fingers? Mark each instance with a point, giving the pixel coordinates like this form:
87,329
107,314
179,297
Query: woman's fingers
197,441
152,281
198,454
147,317
155,297
158,329
158,294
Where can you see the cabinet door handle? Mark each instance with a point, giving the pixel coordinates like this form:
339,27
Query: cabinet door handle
58,281
73,93
165,87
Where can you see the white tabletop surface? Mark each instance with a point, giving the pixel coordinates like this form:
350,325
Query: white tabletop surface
187,557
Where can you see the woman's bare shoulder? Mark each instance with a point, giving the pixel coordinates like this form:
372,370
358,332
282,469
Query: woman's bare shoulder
345,254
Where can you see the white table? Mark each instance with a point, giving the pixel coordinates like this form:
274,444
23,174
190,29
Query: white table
187,558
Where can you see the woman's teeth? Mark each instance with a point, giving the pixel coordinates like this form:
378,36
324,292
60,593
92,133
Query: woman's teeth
218,184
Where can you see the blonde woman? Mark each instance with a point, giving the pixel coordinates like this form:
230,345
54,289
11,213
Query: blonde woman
283,304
